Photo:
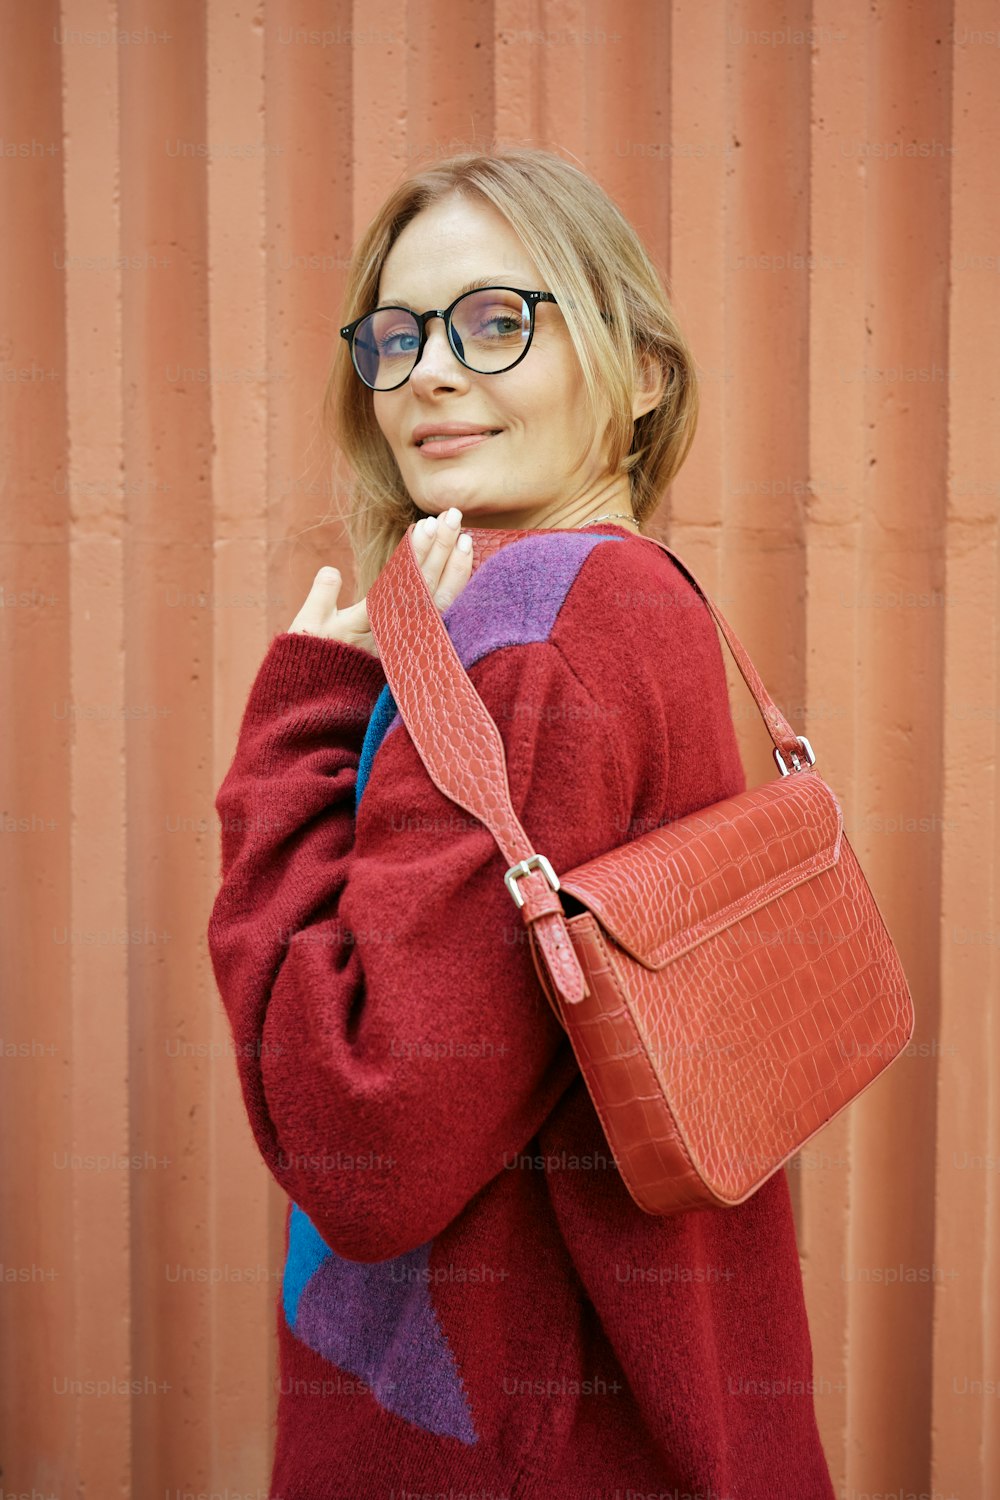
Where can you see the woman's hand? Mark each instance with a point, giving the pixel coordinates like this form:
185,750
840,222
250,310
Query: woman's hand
446,565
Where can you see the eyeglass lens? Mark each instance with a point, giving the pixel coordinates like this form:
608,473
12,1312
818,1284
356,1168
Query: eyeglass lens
489,330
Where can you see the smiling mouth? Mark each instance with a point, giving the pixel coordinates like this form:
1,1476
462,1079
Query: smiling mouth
453,437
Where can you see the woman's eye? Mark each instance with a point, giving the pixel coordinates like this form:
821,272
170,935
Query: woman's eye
502,326
385,344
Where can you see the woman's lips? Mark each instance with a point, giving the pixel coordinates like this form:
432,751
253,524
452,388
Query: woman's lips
447,447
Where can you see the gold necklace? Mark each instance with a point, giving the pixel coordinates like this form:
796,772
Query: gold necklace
612,515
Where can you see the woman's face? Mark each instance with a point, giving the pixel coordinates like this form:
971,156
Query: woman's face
526,475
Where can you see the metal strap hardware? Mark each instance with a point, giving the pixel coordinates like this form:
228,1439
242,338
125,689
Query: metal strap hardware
533,861
797,764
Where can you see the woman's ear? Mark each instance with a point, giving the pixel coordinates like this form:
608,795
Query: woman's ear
650,387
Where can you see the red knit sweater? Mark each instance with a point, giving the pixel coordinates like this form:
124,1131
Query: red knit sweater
472,1304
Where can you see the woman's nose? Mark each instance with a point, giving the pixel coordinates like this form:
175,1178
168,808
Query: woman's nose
437,358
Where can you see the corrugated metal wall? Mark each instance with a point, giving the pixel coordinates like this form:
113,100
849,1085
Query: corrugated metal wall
181,186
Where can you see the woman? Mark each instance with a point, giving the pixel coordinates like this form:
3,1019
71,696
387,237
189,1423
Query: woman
471,1300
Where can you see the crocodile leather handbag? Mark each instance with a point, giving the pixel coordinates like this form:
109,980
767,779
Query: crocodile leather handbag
726,981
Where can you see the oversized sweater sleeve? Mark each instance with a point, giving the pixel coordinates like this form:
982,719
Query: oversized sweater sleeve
394,1047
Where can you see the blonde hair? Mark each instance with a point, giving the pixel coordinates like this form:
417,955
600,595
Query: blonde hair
593,261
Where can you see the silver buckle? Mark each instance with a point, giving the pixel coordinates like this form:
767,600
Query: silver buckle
797,765
533,861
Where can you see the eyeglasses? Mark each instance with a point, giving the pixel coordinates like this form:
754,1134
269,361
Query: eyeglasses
489,330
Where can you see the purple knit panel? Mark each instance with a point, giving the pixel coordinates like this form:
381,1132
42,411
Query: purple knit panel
513,598
378,1321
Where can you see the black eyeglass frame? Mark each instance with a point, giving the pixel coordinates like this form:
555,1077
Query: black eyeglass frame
422,319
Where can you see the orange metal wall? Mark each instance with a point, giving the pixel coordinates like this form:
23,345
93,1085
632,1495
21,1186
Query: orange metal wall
180,188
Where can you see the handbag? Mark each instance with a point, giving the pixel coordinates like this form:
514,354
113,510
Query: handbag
726,981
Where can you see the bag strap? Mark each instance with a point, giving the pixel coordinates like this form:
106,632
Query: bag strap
462,750
786,741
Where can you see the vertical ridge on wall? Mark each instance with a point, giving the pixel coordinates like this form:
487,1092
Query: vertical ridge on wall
766,296
167,377
518,84
697,149
230,1435
627,112
306,240
104,1343
966,1060
456,94
47,1223
833,497
379,81
898,709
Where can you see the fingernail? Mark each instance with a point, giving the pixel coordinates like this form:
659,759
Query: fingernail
453,516
465,542
429,525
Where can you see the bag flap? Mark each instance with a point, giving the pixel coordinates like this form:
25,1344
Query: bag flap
665,891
